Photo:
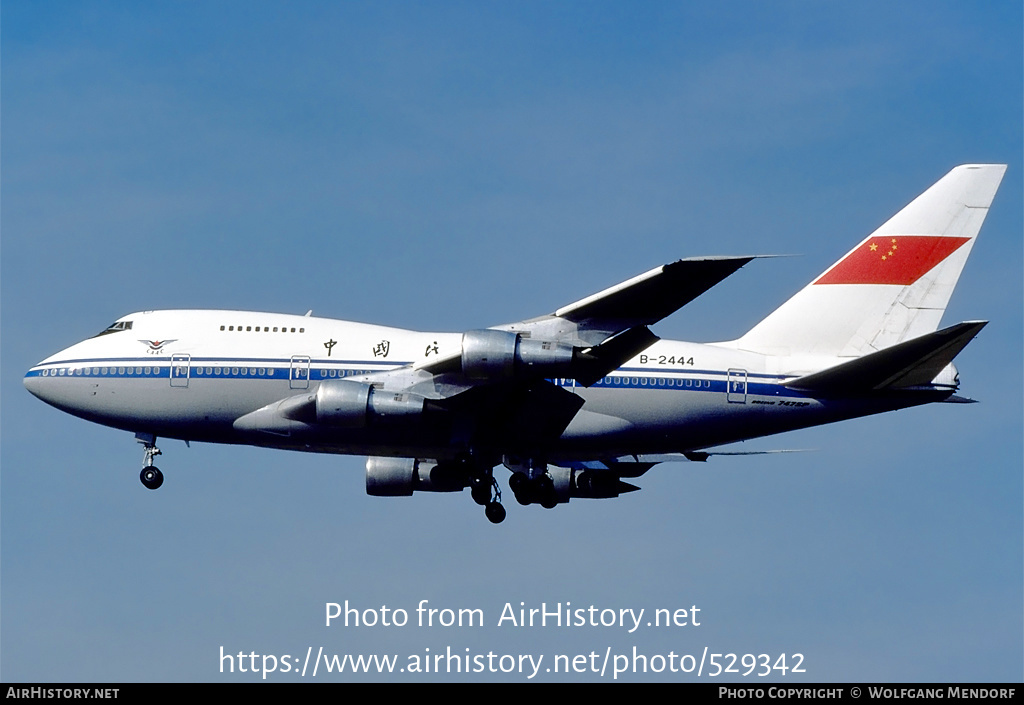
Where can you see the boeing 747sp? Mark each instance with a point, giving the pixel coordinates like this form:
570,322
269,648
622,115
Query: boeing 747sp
573,403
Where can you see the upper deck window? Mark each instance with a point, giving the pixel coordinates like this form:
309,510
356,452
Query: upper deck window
116,327
239,329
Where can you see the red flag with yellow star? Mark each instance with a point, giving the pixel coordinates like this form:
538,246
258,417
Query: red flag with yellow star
900,259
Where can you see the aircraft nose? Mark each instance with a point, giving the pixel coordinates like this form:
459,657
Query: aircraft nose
49,379
40,381
35,383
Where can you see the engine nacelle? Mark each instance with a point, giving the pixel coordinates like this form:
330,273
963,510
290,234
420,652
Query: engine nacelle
559,485
400,477
354,404
587,484
499,354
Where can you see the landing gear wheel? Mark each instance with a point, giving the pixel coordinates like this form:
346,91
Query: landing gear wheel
151,477
485,490
495,512
481,493
521,487
545,490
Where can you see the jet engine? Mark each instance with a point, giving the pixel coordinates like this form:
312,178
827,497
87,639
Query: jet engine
559,485
498,354
400,477
354,404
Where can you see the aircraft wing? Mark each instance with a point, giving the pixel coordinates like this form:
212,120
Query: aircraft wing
495,384
636,465
608,328
649,297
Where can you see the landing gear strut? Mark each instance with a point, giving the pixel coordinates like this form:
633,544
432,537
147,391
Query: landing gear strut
151,476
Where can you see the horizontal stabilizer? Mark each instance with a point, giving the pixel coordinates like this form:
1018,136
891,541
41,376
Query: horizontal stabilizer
957,399
907,364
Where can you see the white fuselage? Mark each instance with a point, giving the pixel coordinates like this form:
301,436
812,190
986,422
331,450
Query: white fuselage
191,374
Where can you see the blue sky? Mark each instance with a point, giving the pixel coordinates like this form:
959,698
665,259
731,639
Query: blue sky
447,166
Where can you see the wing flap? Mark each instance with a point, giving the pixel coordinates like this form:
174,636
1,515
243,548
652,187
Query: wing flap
637,465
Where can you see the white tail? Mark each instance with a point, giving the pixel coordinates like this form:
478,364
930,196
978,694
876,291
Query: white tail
894,285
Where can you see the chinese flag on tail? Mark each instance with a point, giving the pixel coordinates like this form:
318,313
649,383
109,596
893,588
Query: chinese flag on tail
892,259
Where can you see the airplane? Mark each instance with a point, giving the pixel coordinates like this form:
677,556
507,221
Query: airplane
572,403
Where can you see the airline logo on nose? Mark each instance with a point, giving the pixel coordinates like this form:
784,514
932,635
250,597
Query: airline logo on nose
157,345
899,259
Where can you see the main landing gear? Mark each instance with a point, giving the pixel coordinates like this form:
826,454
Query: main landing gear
485,491
151,476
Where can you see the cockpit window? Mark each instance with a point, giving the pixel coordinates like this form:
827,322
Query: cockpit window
115,328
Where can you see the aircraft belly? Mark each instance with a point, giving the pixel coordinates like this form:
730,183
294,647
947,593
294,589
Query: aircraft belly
655,420
665,420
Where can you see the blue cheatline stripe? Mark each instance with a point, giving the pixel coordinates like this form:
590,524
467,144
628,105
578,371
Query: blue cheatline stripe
690,371
319,370
166,360
696,384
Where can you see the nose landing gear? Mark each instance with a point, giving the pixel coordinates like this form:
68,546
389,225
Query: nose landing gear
151,476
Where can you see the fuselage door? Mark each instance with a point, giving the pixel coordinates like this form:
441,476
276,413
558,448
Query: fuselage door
298,373
736,391
180,369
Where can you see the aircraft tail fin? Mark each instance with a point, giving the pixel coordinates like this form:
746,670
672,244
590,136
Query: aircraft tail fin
892,287
911,363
